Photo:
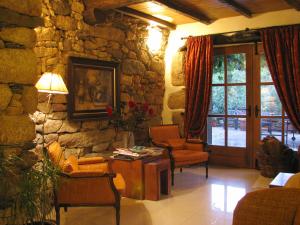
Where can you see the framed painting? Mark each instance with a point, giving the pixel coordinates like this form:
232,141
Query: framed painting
93,85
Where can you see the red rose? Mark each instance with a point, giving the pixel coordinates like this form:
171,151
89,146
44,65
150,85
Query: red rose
151,112
109,110
131,104
145,107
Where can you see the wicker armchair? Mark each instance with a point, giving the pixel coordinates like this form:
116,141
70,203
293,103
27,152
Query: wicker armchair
274,206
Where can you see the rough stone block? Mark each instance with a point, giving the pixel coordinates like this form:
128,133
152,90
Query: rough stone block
69,127
158,66
16,129
21,35
29,99
17,66
133,67
61,7
27,7
8,18
110,33
52,126
177,70
65,23
86,139
177,100
5,96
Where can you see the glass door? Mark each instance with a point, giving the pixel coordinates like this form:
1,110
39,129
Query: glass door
270,118
230,108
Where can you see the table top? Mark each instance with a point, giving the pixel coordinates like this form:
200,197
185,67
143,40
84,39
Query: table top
280,180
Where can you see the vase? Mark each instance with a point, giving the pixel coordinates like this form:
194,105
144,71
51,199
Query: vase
128,139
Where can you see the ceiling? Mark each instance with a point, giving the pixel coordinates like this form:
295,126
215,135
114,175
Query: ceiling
171,13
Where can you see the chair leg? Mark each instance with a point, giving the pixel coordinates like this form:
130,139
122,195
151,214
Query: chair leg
206,169
117,207
172,175
57,213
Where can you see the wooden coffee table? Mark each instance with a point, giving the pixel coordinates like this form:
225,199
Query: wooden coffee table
280,180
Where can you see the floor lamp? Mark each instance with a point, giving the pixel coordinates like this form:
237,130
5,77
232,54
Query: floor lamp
50,83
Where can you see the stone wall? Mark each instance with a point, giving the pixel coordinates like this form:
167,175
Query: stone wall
18,96
119,38
176,100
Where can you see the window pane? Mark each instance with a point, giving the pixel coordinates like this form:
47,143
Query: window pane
265,75
236,68
218,102
236,132
270,103
236,100
291,135
216,131
218,70
271,126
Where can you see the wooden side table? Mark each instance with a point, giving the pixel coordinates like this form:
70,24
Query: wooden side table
280,180
133,174
157,179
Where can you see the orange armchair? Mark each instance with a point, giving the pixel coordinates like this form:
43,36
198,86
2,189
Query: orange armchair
182,152
85,182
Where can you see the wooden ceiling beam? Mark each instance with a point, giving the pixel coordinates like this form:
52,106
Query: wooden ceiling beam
144,16
294,3
192,13
237,7
109,4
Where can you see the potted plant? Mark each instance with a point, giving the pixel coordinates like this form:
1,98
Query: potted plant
130,119
26,195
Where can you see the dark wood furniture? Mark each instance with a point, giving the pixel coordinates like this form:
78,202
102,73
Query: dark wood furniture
157,179
280,180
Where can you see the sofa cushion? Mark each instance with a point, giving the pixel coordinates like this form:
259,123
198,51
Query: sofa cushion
70,164
56,154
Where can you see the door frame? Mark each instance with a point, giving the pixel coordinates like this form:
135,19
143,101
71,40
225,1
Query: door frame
238,156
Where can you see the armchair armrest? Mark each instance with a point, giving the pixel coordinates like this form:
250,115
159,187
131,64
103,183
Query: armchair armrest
92,160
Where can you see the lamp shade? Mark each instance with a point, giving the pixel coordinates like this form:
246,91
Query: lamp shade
51,83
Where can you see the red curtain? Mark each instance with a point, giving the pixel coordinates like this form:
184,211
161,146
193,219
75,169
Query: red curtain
282,49
198,77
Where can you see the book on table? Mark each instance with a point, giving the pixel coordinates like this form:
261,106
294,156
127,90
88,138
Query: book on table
136,152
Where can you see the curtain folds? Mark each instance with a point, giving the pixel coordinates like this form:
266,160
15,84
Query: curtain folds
198,78
282,50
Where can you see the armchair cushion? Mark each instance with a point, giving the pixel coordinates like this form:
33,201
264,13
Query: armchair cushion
84,161
94,166
56,154
293,181
86,173
71,164
176,143
190,156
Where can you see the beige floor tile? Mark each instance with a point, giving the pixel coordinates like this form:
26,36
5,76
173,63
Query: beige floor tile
193,201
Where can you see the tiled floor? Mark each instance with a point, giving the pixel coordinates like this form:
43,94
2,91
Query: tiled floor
194,201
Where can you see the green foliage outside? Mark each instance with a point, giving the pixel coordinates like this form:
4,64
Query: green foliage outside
236,73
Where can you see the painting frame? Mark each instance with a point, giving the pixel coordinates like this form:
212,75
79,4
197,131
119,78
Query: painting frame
93,85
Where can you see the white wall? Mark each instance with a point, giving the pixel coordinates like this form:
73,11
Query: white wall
276,18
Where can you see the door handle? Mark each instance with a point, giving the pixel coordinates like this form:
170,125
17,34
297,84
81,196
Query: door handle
256,111
249,112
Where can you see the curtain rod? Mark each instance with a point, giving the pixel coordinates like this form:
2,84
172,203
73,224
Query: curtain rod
247,29
228,32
